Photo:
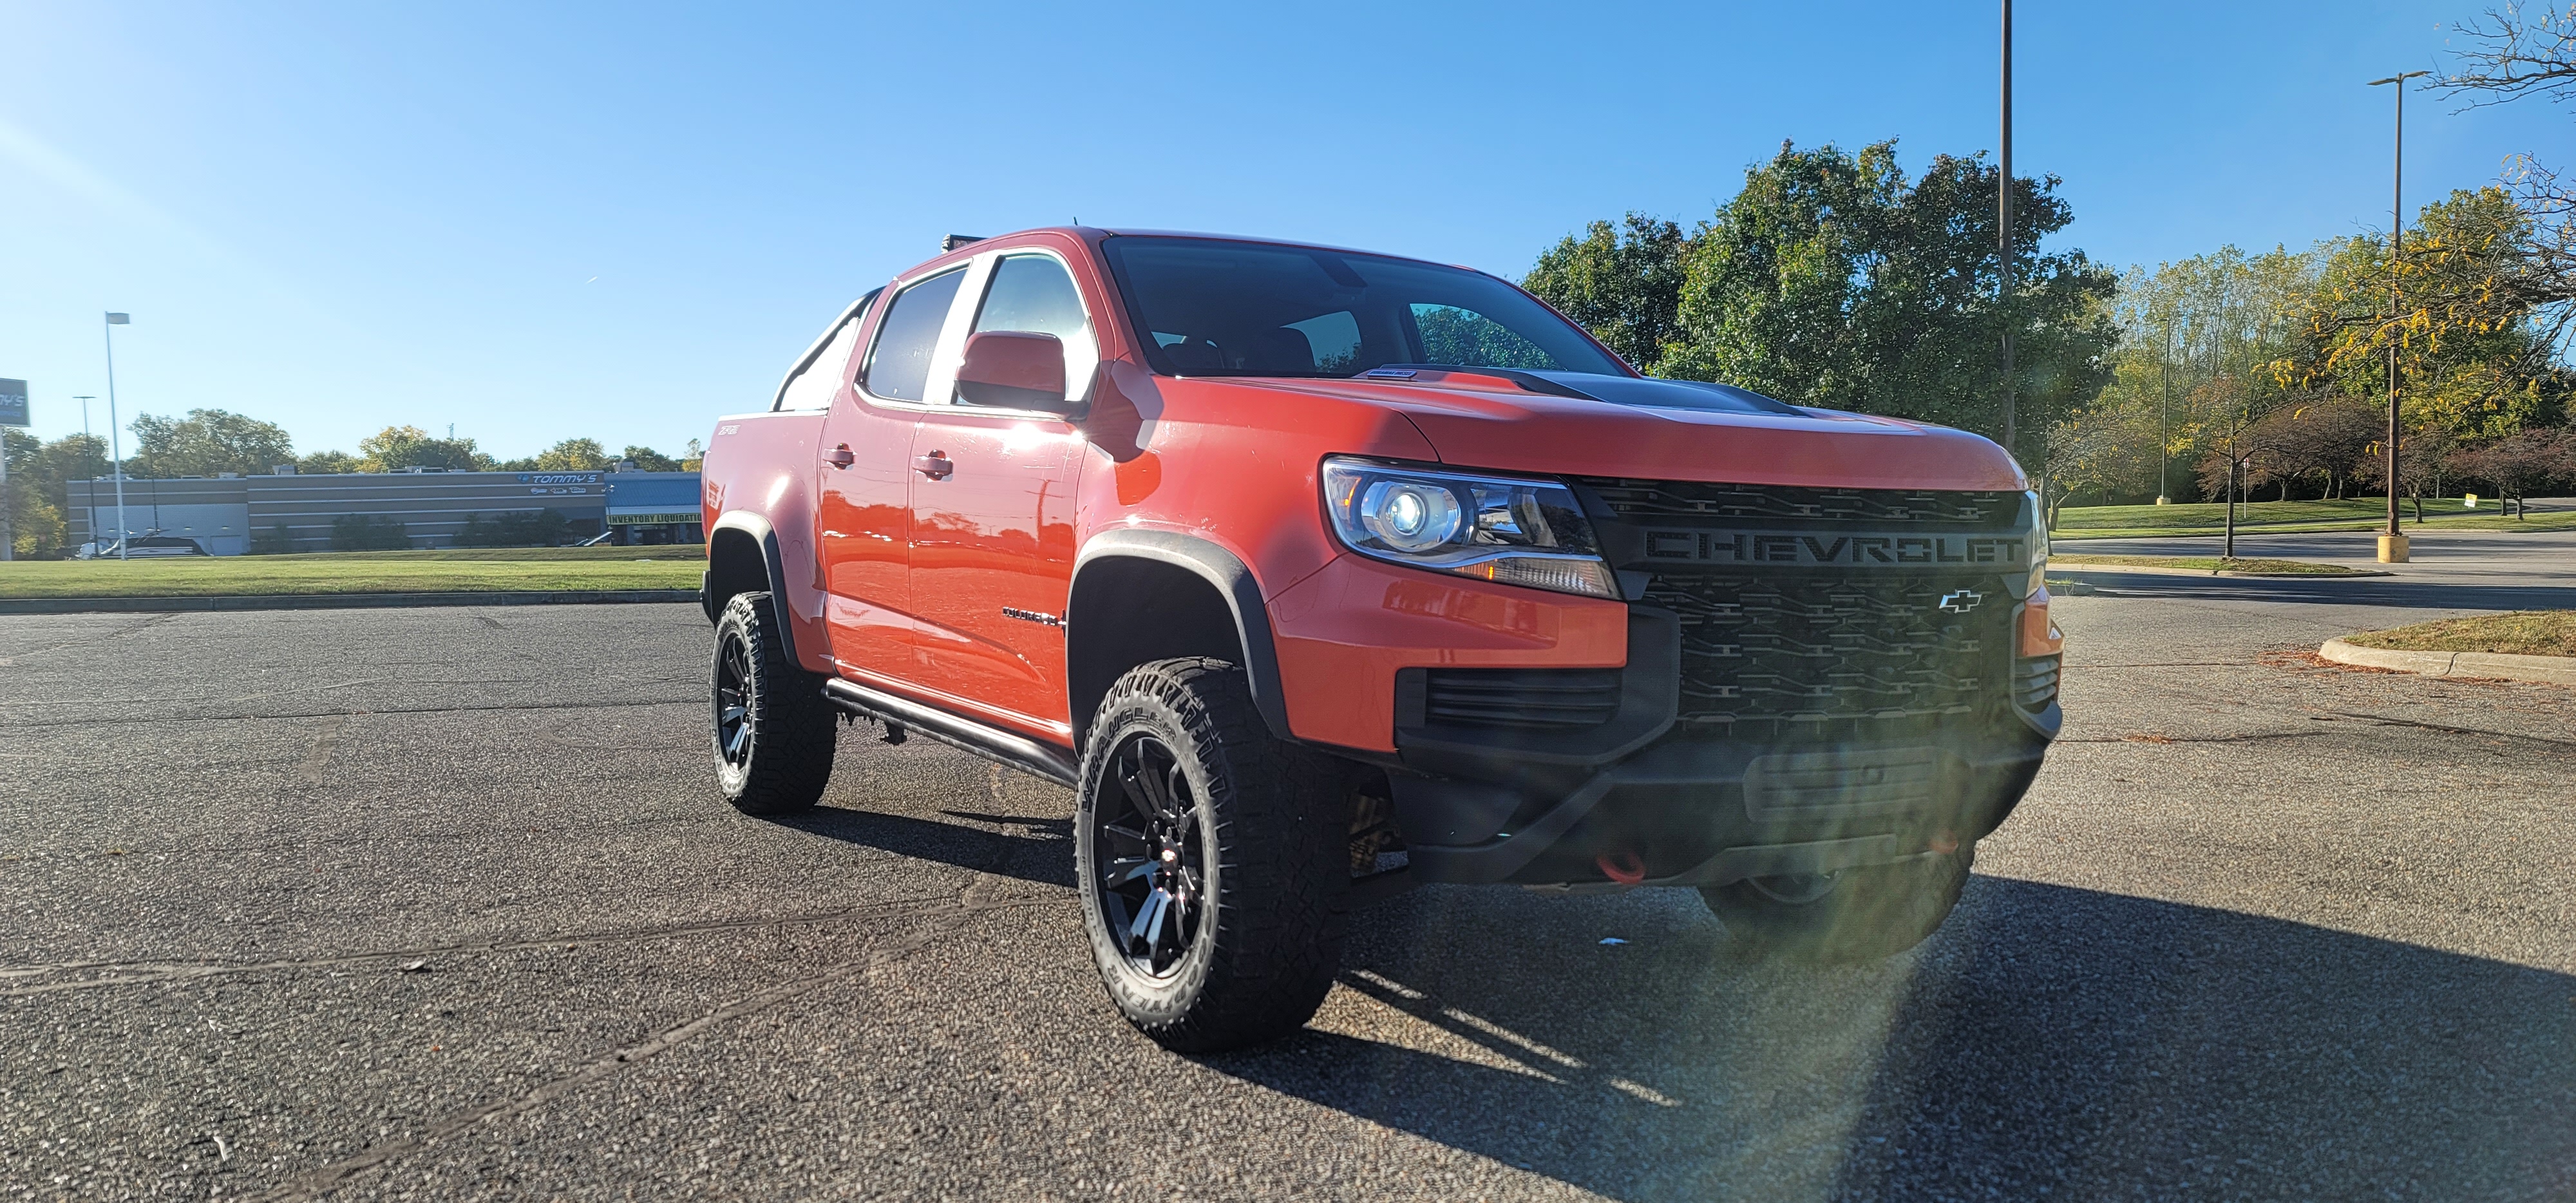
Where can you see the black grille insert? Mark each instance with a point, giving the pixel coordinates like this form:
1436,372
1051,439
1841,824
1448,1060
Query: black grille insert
1789,507
1547,698
1809,649
2035,683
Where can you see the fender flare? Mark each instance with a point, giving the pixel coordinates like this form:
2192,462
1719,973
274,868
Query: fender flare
775,565
1233,581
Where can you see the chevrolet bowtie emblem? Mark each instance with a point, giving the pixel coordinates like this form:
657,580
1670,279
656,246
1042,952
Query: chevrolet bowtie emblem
1961,601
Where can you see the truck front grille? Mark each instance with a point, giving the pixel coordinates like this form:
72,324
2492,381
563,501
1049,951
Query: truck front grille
1793,653
1786,507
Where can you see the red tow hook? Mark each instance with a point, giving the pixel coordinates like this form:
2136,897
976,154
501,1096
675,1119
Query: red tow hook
1626,868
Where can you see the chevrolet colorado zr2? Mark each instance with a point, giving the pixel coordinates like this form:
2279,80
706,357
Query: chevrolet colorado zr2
1318,574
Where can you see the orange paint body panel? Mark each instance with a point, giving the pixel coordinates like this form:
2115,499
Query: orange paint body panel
1344,632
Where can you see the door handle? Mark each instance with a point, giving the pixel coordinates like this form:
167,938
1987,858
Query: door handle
840,457
935,465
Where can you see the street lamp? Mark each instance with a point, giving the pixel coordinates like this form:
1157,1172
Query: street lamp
2004,232
2392,542
118,319
2164,405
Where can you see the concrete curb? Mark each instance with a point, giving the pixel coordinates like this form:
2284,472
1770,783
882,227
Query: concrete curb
336,601
2549,670
2140,570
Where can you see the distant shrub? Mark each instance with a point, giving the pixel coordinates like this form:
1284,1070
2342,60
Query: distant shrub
366,532
521,528
274,543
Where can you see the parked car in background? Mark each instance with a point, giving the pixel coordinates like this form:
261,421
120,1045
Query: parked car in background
141,547
1317,574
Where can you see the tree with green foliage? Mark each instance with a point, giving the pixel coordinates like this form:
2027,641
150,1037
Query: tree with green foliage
2182,326
573,455
326,463
647,459
1623,283
38,475
1833,279
397,447
2519,51
2476,354
207,442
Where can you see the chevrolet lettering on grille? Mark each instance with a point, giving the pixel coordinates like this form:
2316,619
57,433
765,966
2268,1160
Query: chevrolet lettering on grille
1867,551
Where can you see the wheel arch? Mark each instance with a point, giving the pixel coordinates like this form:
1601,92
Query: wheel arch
743,557
1144,595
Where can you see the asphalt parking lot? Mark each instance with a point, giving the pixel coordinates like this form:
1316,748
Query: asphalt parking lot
439,904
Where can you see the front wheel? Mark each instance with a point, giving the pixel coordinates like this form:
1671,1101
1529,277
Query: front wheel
1213,860
1863,914
773,730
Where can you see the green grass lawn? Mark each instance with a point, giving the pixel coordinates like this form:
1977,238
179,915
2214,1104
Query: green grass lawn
2242,565
2364,513
464,570
2529,633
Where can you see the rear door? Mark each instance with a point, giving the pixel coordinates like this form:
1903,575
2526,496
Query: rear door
863,512
992,508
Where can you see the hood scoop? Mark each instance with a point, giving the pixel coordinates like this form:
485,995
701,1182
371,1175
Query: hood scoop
1644,391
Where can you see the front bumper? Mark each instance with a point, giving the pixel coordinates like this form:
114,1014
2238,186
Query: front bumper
1635,800
1688,812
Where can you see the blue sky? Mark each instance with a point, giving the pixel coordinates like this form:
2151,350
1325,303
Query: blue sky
545,221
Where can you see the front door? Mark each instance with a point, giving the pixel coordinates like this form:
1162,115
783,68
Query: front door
992,516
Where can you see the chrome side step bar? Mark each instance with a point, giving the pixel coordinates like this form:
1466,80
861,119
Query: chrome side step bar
1005,748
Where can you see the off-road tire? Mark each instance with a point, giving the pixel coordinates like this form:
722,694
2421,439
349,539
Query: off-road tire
785,729
1869,913
1271,836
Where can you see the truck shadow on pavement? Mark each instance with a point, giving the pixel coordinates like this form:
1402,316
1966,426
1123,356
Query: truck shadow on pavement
2048,1041
1041,850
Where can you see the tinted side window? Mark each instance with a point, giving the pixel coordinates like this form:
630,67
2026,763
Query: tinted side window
1033,293
1470,339
899,368
814,384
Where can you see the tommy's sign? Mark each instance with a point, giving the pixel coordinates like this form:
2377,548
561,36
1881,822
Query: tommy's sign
1748,547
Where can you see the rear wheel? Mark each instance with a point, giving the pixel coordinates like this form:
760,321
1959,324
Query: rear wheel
1862,914
1214,860
773,730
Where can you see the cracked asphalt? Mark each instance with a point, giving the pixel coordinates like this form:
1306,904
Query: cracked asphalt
440,904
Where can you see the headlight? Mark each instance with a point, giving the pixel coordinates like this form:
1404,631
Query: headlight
1516,532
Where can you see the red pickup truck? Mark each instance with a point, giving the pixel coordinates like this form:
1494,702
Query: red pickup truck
1318,574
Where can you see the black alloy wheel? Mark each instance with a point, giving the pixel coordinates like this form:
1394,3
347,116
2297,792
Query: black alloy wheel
770,727
1213,859
1153,858
733,719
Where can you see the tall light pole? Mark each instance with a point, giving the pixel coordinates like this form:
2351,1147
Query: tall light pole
2392,542
2164,405
89,519
115,320
2004,233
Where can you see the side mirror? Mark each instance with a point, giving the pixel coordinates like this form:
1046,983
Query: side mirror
1013,369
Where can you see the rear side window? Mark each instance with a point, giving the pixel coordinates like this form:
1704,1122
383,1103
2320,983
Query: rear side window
899,368
813,385
1033,293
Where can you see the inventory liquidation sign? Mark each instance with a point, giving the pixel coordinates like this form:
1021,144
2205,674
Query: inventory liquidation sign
13,403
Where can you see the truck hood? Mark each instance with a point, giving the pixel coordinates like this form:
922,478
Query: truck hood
1644,428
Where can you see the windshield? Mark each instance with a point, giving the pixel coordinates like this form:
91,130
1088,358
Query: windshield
1220,308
